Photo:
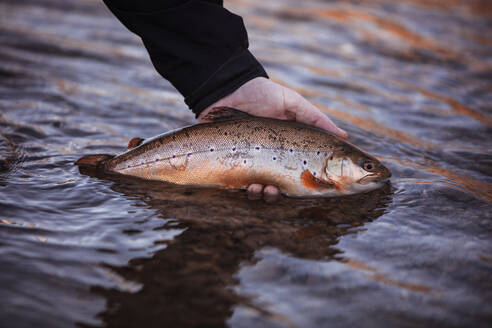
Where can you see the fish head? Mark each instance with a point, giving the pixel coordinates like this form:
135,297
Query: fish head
352,170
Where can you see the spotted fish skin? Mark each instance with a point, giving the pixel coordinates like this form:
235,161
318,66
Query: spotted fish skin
236,153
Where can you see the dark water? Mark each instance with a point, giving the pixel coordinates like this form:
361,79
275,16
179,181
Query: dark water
410,81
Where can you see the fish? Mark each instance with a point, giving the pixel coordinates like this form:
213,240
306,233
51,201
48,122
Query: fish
234,149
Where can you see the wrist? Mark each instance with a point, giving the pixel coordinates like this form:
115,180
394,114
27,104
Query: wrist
237,71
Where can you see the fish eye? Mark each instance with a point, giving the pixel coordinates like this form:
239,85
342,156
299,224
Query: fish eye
368,166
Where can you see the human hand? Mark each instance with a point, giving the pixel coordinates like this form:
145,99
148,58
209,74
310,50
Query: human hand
263,97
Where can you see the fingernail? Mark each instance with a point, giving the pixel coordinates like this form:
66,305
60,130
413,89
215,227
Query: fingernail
343,133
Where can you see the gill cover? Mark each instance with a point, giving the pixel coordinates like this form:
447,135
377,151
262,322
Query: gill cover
337,167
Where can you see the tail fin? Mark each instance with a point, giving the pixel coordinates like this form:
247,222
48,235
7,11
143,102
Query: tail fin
93,165
93,161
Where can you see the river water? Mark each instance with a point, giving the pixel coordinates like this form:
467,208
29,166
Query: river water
411,82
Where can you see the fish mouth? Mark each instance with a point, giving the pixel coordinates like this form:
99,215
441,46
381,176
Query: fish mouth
372,178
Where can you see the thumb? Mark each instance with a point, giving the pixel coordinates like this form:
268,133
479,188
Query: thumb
307,113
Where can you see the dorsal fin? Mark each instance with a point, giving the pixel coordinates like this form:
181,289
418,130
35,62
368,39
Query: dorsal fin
135,142
218,114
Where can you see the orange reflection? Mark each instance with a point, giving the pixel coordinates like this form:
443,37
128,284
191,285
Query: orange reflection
383,278
475,7
297,62
478,188
351,104
457,106
371,125
359,265
68,42
485,258
405,285
386,25
321,70
302,91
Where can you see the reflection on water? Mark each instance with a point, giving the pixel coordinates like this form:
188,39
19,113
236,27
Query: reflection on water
191,281
410,82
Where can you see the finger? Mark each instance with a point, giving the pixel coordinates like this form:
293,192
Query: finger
271,194
325,123
255,191
309,114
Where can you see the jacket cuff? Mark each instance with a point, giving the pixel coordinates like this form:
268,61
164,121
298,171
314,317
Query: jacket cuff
239,69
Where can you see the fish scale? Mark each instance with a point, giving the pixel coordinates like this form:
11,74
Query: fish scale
236,150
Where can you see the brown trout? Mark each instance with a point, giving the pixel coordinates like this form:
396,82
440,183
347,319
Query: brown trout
235,150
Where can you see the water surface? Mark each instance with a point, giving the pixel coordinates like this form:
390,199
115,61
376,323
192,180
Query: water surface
410,82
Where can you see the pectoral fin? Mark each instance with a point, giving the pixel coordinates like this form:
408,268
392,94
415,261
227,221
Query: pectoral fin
311,182
135,142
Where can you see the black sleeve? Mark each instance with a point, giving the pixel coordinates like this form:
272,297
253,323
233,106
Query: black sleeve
198,45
